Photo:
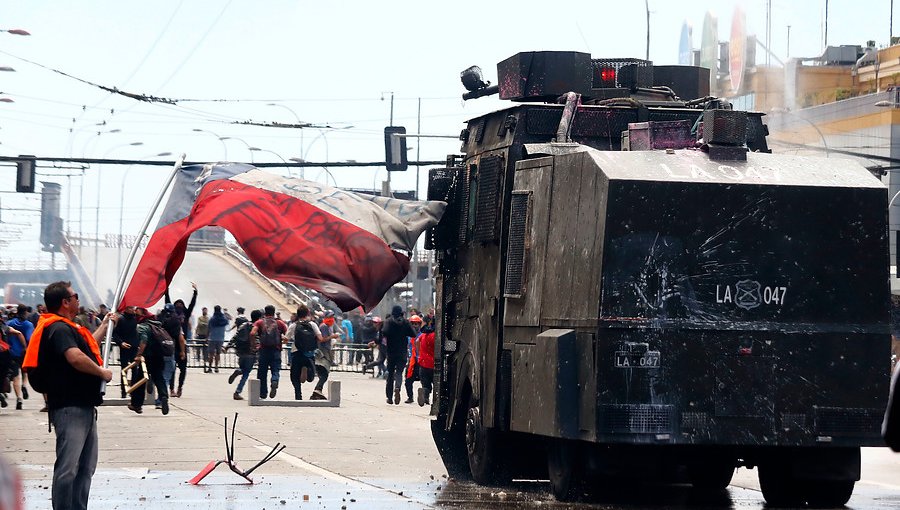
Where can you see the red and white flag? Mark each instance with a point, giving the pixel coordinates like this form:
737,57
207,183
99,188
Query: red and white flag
348,246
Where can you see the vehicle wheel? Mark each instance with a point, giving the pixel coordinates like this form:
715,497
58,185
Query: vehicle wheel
778,486
828,493
451,446
711,475
564,470
482,446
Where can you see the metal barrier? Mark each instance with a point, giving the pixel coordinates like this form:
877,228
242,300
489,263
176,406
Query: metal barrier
347,357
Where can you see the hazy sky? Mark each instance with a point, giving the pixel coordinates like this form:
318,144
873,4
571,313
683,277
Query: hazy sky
325,62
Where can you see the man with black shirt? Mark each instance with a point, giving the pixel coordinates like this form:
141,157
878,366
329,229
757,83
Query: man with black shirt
396,331
68,357
126,337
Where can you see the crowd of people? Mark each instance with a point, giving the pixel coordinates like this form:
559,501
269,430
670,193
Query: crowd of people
68,373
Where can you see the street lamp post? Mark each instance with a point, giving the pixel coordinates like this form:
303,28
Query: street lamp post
97,214
224,147
257,149
122,208
297,118
240,140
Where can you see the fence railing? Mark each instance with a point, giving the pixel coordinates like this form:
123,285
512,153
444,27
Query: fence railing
347,357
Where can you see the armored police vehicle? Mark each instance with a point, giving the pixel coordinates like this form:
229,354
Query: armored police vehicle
631,283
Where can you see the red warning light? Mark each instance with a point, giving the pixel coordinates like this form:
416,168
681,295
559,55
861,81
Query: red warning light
608,74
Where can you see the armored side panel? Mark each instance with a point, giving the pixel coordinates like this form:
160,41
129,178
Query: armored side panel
722,303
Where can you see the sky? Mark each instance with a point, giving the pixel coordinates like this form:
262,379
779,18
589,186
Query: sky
334,64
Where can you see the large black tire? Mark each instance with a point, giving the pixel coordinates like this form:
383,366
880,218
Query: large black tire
779,487
828,493
711,474
482,448
565,470
451,446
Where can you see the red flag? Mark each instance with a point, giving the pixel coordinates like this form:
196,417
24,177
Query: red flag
318,237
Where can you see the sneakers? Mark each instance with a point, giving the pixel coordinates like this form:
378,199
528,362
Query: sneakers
317,395
135,409
179,393
420,398
44,409
237,396
233,376
396,397
274,389
409,400
3,402
390,401
24,392
18,405
165,407
217,370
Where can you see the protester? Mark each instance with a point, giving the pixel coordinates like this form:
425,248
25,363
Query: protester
324,356
396,331
156,348
412,366
306,339
217,324
375,341
201,333
9,363
426,361
125,336
171,322
64,360
270,331
245,345
17,349
183,313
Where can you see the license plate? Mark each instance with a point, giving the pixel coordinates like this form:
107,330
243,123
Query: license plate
649,359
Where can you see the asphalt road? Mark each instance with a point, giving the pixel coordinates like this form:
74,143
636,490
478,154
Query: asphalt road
364,454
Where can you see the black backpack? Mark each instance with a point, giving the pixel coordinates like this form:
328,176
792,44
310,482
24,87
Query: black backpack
241,339
305,337
161,343
270,336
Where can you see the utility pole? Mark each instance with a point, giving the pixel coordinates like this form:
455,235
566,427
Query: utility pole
386,191
647,7
826,23
789,42
418,144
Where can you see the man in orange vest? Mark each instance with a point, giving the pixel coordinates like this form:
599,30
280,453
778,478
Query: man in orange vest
64,361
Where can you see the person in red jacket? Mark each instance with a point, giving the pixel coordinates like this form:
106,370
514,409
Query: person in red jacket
426,361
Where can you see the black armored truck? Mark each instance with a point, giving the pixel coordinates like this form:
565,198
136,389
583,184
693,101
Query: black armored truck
629,282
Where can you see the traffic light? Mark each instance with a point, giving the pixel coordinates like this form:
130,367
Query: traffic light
395,149
25,174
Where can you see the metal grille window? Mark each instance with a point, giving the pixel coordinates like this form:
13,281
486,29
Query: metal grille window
462,197
515,256
490,170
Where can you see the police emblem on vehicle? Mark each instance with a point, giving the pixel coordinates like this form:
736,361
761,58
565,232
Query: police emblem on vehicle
747,294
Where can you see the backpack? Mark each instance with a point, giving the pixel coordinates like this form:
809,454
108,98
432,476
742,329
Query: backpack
305,337
241,339
161,343
270,336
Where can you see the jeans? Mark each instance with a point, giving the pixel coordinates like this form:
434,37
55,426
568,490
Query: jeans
76,456
168,369
322,372
396,364
269,359
426,375
157,371
245,362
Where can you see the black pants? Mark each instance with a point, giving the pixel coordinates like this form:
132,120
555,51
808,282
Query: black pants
322,372
181,365
125,358
426,375
377,363
138,395
298,361
396,364
155,368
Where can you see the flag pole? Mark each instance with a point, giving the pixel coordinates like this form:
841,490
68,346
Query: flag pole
120,286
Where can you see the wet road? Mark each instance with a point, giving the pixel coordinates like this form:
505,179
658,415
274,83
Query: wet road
124,489
365,454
